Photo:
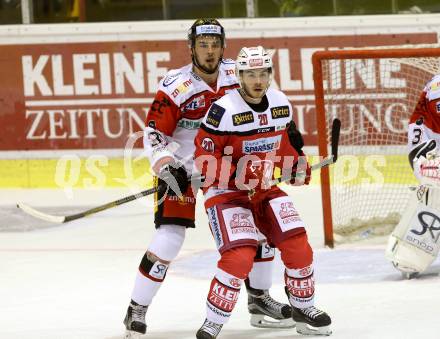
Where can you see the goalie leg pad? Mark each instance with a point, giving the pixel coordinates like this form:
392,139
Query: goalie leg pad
414,243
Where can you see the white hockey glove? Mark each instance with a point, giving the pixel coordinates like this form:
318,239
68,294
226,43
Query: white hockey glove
430,170
426,163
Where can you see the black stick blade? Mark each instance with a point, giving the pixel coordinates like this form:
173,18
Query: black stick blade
336,129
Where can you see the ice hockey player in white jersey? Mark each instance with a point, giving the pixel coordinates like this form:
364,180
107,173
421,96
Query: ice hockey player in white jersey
174,118
414,244
244,136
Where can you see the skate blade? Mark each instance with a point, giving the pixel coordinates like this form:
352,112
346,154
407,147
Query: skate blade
134,335
262,321
409,275
302,328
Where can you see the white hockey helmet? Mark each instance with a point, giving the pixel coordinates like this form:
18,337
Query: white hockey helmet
252,58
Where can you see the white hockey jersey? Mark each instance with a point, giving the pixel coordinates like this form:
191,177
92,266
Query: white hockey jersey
233,128
178,108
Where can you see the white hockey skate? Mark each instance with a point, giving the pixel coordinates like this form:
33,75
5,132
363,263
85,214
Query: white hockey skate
266,312
135,321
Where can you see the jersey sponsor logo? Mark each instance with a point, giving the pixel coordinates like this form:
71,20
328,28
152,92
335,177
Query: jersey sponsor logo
280,112
242,118
170,79
196,76
215,115
263,145
158,270
235,282
215,226
222,296
288,213
301,287
183,200
306,271
265,129
208,29
182,88
208,145
428,221
230,72
266,251
188,124
240,223
425,231
196,103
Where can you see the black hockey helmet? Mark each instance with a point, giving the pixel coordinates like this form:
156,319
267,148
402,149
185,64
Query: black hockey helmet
205,27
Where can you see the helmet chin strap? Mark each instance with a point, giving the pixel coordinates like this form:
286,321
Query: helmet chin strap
250,98
202,68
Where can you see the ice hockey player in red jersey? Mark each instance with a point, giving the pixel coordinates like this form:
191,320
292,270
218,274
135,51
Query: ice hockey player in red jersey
245,135
173,120
414,243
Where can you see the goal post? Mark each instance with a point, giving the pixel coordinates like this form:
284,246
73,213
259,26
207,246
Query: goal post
373,92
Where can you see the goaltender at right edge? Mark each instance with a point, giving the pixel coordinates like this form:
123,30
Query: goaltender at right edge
414,243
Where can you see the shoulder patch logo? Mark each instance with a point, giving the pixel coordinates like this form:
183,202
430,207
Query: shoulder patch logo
280,112
215,115
242,118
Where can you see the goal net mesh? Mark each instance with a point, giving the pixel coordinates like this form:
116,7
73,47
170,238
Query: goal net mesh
374,98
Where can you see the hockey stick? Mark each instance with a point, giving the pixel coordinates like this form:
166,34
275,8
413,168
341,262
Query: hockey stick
331,159
63,219
60,219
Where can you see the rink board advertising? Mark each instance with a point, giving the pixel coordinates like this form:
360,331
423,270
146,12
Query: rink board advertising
93,95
